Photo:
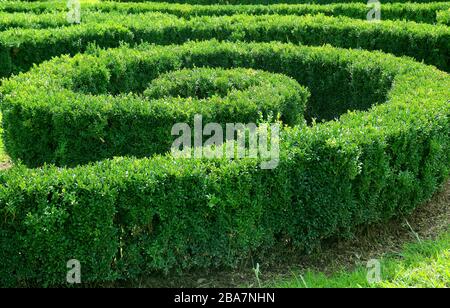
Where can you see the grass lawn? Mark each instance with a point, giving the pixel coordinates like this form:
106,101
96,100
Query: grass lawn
421,264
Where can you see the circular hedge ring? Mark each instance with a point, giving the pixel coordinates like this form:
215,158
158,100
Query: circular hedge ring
80,120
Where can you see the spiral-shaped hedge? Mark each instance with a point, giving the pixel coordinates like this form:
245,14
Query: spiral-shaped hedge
366,138
132,124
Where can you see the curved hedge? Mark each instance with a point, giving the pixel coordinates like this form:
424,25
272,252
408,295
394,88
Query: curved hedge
418,12
384,150
26,20
51,121
125,217
52,20
19,49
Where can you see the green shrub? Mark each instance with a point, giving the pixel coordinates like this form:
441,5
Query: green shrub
67,125
27,20
418,12
236,95
126,217
38,247
35,7
51,20
25,47
443,17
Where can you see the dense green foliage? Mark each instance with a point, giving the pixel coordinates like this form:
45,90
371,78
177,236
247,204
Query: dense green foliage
48,20
443,17
77,93
26,20
125,217
418,12
366,134
21,48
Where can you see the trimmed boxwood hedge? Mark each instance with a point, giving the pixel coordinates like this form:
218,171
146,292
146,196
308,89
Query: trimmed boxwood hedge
70,117
19,49
27,20
443,17
126,217
34,7
47,20
418,12
235,95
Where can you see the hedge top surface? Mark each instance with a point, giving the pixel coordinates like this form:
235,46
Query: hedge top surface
52,20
